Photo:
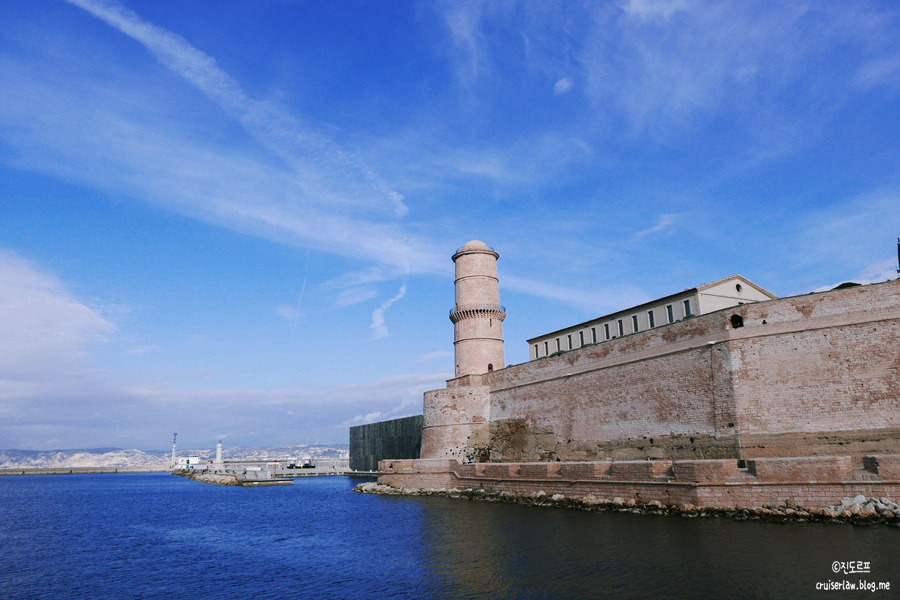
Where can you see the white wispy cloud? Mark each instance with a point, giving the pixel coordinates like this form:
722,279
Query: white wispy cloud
464,23
663,223
379,329
46,330
562,86
845,236
113,133
353,296
290,313
667,65
283,132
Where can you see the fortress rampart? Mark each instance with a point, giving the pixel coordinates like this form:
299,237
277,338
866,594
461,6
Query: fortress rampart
789,398
809,375
811,482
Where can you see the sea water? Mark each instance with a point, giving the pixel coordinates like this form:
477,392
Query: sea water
159,536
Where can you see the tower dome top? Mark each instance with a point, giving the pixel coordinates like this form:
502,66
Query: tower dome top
475,246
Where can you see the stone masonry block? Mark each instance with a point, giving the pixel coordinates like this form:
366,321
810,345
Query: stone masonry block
700,471
533,470
639,470
496,470
583,470
801,469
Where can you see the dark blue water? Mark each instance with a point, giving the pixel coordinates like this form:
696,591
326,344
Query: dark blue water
159,536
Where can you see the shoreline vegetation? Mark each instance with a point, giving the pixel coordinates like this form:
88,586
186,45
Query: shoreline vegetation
856,511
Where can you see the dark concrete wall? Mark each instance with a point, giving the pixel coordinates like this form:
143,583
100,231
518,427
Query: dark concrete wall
399,438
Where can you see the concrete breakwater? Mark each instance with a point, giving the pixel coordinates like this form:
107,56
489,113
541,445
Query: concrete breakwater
857,511
83,470
230,479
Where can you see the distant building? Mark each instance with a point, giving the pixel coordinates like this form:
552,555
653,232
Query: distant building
398,438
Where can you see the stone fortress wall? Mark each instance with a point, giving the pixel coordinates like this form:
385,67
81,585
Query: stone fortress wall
771,399
809,375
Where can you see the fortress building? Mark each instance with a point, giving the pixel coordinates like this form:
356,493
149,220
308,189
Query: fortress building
719,395
722,370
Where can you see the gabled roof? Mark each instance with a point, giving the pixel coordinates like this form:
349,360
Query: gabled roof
700,288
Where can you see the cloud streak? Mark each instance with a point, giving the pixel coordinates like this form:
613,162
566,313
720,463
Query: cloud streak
310,191
281,132
44,328
378,327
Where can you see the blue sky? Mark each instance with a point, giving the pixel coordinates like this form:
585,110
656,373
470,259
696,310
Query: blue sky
235,220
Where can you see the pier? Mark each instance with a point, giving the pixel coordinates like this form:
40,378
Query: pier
262,472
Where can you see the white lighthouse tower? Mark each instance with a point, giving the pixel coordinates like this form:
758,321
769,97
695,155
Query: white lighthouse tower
478,316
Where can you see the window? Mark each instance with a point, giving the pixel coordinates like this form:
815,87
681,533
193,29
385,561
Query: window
634,323
606,330
737,321
536,351
650,318
558,347
621,327
670,313
546,348
569,339
738,288
593,335
581,338
687,308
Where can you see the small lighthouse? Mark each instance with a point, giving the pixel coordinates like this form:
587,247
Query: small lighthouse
478,316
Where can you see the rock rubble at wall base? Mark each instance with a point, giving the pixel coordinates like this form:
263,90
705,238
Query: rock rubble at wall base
857,511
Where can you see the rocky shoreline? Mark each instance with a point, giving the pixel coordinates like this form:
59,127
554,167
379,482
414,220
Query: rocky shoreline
856,511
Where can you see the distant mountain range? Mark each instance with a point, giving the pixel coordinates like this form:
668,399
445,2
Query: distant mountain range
118,457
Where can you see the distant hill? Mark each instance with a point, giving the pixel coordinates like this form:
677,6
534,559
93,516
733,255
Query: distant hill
118,457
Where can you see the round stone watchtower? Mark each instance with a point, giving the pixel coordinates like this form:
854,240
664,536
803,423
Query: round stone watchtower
478,316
